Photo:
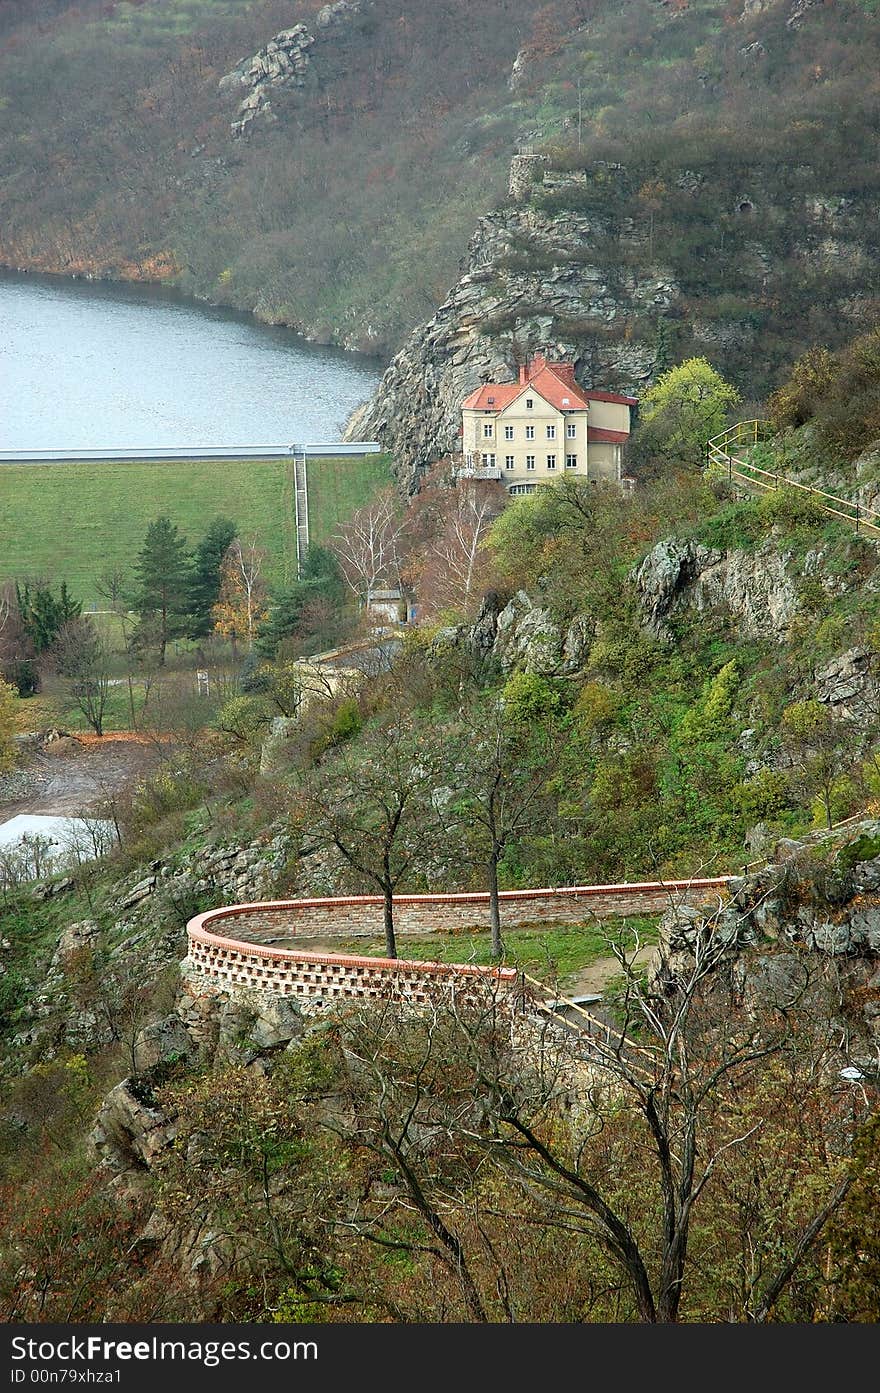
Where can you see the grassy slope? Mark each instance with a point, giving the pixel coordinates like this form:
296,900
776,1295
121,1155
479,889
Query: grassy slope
74,521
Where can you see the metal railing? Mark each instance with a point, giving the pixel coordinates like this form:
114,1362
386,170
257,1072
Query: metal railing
727,450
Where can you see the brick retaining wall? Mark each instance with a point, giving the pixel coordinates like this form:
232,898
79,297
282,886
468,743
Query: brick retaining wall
239,947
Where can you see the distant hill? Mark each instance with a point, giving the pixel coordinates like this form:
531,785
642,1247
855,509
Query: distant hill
374,137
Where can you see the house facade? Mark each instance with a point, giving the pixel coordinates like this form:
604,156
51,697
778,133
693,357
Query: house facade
544,427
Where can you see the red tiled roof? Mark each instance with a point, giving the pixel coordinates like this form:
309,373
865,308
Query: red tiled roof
611,396
555,382
502,394
554,388
613,437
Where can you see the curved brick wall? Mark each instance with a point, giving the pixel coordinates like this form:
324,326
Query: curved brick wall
241,947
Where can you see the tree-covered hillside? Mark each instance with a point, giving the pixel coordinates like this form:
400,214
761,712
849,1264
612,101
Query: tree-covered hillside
345,210
606,687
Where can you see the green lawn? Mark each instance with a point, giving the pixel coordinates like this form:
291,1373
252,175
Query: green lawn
549,952
73,521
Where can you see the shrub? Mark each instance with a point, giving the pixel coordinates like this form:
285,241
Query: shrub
762,797
791,507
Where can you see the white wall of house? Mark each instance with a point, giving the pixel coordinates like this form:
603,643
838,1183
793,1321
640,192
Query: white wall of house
528,443
609,415
604,460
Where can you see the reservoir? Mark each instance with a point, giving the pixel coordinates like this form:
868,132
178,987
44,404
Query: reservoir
86,365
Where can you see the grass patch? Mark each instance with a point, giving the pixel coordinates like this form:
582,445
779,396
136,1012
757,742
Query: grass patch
75,520
338,487
546,951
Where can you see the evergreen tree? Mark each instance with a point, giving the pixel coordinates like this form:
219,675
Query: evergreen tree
207,561
662,346
164,576
43,615
321,579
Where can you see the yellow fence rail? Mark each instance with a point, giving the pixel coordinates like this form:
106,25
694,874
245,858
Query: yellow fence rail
728,452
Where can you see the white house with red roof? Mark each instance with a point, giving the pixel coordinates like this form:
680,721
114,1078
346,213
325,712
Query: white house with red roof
544,427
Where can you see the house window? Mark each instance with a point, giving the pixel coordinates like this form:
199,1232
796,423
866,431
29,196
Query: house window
530,432
488,461
551,432
530,461
571,430
521,488
487,430
509,461
508,432
551,461
529,403
571,461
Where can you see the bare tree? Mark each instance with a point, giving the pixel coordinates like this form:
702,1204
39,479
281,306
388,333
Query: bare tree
448,522
620,1138
373,804
82,660
368,547
499,772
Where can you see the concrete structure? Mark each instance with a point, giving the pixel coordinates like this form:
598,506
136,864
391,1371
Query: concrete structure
387,606
544,427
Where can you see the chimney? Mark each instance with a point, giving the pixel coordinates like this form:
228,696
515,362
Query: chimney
523,374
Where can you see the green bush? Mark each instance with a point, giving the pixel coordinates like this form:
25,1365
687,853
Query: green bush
762,797
791,507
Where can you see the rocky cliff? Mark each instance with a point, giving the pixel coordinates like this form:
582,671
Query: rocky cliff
757,590
575,263
802,931
528,282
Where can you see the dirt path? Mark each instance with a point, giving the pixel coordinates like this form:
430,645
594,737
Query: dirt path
593,980
71,776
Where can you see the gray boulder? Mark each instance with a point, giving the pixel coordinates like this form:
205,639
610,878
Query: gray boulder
131,1131
161,1042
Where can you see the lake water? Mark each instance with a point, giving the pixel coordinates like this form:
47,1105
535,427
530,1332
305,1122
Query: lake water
85,365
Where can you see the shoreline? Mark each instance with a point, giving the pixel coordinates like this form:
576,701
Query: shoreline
168,290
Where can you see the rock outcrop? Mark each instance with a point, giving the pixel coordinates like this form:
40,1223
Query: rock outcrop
848,684
501,306
284,65
523,636
756,589
131,1131
803,930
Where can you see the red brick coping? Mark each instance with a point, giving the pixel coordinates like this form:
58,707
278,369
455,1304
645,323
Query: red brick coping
221,961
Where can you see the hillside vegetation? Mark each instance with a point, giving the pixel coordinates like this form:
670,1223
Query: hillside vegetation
671,683
348,216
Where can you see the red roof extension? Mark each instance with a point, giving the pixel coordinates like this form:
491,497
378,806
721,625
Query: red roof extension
613,437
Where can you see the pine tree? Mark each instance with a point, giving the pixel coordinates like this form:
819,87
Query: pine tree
43,615
164,577
207,561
